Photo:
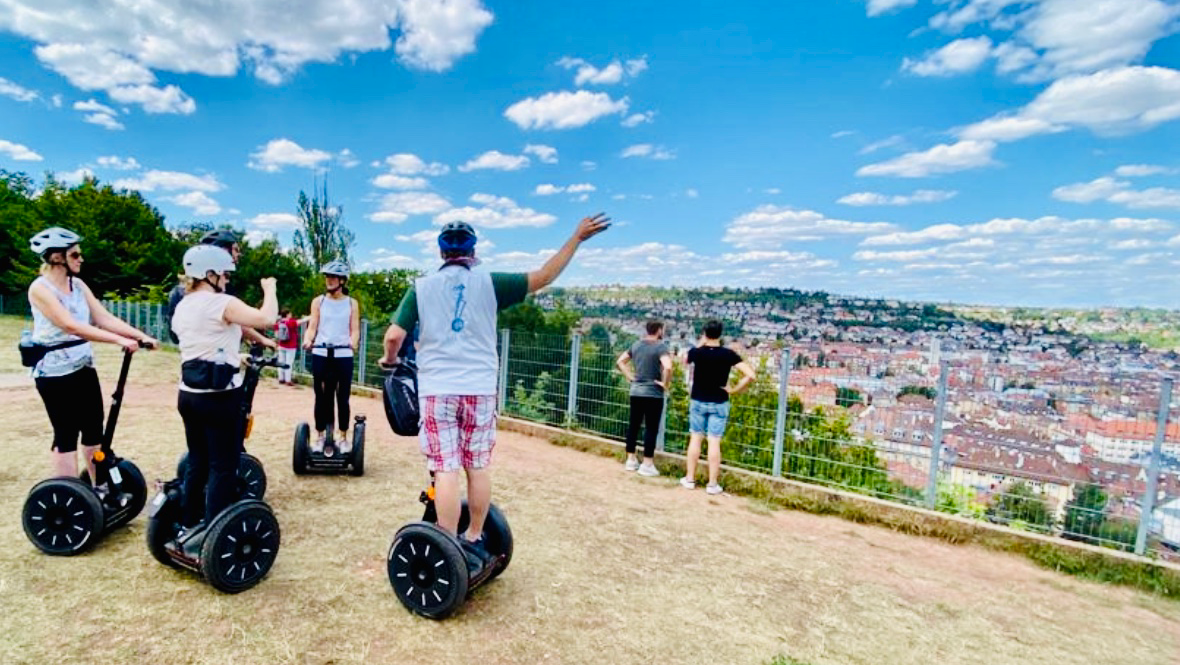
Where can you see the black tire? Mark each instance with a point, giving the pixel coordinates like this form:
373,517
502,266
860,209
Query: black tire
251,478
62,516
358,450
163,524
496,533
136,486
240,546
302,451
427,570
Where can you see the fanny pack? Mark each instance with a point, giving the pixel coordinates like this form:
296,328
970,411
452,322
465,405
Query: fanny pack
31,352
206,374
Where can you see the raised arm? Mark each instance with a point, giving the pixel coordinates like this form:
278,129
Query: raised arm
264,317
587,228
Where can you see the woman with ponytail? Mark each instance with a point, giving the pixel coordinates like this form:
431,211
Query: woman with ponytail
333,334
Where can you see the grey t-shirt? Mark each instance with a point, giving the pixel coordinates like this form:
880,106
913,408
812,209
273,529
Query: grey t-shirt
645,357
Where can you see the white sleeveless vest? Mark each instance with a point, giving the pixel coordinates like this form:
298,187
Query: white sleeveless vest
335,324
62,361
457,333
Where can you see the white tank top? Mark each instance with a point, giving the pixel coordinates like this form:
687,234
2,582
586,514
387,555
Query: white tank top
199,324
457,333
62,361
335,326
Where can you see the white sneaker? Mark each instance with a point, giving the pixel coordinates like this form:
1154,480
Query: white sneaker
317,446
648,470
343,444
688,483
713,488
631,464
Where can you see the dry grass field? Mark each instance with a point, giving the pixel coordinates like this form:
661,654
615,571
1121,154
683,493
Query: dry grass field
609,568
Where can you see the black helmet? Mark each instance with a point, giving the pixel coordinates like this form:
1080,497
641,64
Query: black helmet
456,237
223,238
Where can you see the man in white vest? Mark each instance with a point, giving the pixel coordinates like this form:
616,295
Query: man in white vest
455,309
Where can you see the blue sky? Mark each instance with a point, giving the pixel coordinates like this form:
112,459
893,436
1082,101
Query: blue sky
981,151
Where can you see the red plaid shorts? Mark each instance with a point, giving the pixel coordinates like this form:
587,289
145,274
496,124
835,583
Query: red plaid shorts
458,431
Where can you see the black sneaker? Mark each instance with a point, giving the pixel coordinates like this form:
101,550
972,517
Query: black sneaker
479,560
190,539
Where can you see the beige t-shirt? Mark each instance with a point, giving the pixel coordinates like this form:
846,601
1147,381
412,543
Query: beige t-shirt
200,326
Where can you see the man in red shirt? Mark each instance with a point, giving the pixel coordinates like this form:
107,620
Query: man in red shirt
287,336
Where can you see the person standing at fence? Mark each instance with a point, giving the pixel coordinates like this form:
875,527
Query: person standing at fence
287,336
648,366
66,315
333,334
458,366
708,410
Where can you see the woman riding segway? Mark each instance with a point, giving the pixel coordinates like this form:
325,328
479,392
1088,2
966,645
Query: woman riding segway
333,334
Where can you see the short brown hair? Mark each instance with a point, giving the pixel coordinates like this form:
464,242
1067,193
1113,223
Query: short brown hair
654,326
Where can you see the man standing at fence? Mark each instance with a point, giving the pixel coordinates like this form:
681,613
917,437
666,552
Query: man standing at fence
708,410
648,366
458,367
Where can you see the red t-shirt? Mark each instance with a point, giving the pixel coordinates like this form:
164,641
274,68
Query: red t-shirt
292,326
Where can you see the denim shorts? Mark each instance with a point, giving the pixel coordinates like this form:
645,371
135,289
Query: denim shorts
707,418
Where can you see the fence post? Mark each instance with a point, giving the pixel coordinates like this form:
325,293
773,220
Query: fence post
571,405
780,416
936,443
364,351
505,337
1153,469
662,434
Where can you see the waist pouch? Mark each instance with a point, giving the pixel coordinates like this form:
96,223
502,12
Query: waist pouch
206,374
31,352
400,393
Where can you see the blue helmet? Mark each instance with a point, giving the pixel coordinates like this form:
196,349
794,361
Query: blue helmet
456,237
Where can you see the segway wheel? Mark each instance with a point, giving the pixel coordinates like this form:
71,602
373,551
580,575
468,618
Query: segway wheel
497,536
240,547
62,516
133,484
163,524
302,449
251,478
358,450
427,570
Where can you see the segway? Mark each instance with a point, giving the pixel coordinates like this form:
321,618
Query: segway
304,460
67,516
429,569
251,475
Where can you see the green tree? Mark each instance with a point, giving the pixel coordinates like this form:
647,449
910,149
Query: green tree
381,292
1085,513
324,237
924,391
846,397
1019,505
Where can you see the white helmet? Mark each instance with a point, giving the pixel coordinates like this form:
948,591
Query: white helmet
199,260
335,268
53,239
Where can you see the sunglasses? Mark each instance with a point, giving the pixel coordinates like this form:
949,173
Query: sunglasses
75,255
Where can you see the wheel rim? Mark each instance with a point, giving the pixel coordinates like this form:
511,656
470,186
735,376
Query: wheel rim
250,479
420,575
247,550
60,520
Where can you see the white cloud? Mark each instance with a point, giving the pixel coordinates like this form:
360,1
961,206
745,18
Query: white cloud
1119,192
581,188
255,237
647,150
1133,243
618,197
17,92
589,165
842,133
934,233
958,57
119,51
497,161
199,202
278,153
564,110
875,199
548,190
404,163
1141,170
942,158
497,212
891,142
387,258
397,208
117,163
1174,241
56,101
276,221
878,7
99,114
610,74
170,181
94,106
1109,103
901,256
770,226
74,177
547,154
103,120
773,191
636,119
18,152
394,181
691,193
347,160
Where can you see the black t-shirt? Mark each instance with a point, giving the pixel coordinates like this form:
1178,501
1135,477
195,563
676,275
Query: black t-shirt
711,372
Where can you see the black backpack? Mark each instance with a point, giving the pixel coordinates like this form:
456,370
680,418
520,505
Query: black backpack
400,393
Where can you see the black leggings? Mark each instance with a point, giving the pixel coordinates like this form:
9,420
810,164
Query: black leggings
645,411
332,377
213,431
74,404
